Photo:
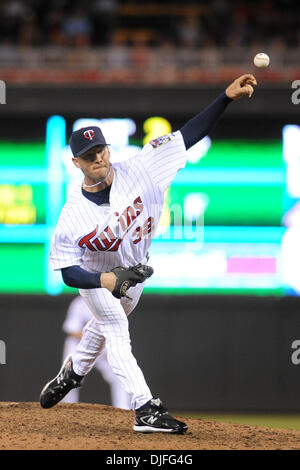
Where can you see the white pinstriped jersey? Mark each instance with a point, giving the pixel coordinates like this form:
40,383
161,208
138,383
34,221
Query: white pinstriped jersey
98,238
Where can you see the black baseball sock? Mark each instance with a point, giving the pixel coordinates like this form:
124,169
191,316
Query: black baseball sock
75,376
143,407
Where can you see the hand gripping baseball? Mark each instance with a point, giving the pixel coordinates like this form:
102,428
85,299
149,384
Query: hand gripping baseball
129,277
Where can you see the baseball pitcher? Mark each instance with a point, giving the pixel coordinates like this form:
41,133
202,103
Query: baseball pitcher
101,246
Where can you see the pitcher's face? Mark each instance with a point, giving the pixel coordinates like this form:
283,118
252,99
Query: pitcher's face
95,163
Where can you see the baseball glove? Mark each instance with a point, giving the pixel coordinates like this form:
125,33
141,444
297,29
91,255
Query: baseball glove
129,277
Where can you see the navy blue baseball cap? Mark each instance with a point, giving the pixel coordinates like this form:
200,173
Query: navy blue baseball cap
85,138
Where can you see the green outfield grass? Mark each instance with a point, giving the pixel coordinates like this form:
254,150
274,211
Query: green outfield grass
278,420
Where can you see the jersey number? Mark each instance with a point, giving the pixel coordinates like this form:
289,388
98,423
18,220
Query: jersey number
142,232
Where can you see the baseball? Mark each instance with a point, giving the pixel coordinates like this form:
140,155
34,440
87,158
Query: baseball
261,60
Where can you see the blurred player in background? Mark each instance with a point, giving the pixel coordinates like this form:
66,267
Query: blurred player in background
78,315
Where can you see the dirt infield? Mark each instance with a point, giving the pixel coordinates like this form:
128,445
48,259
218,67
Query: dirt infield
83,426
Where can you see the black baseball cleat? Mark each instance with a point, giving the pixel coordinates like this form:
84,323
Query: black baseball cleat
155,418
57,388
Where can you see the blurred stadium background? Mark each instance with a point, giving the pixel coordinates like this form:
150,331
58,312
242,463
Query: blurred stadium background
221,314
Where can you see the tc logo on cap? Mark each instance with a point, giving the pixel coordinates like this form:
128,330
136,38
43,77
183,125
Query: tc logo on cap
89,134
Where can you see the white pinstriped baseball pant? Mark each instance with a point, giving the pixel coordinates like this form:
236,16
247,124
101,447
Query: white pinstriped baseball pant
110,326
119,398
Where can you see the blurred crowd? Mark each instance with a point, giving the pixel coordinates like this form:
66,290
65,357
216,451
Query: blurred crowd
192,23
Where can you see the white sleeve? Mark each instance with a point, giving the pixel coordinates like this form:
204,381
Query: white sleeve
64,251
163,157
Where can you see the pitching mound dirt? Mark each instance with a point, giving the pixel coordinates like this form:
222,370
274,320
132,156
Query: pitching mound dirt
83,426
